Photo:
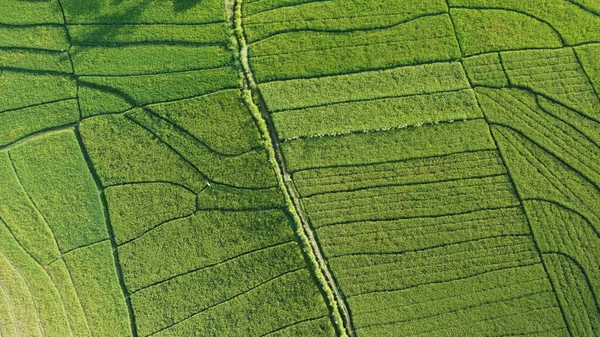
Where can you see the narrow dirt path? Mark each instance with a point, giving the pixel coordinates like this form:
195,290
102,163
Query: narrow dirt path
253,101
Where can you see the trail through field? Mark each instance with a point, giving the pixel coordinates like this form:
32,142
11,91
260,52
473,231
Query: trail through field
272,139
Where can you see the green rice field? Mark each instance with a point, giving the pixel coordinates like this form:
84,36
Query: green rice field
299,168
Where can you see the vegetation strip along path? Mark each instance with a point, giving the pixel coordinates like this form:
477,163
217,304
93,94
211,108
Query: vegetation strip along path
250,94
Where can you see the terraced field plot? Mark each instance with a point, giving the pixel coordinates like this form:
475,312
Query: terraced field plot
299,168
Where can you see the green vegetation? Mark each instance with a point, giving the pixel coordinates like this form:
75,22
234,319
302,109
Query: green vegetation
376,147
481,31
299,168
377,114
302,93
307,54
486,70
572,23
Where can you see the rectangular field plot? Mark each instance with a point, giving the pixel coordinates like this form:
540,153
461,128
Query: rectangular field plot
311,53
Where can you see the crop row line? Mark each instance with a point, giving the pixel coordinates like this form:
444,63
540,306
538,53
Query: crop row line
321,19
344,31
553,180
532,117
569,209
497,266
520,197
371,70
373,99
531,114
417,183
290,5
152,228
184,158
365,210
370,280
384,129
182,130
456,310
481,8
390,167
444,281
460,225
587,76
110,230
38,104
257,250
34,71
582,270
436,216
428,332
434,247
473,182
62,255
41,216
162,72
125,44
33,50
344,239
293,324
119,24
442,257
353,46
567,164
11,308
439,156
587,43
29,290
273,279
458,295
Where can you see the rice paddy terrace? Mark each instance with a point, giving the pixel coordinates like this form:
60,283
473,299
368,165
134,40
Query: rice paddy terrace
299,168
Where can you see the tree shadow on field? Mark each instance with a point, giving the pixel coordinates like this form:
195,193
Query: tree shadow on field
117,22
184,5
